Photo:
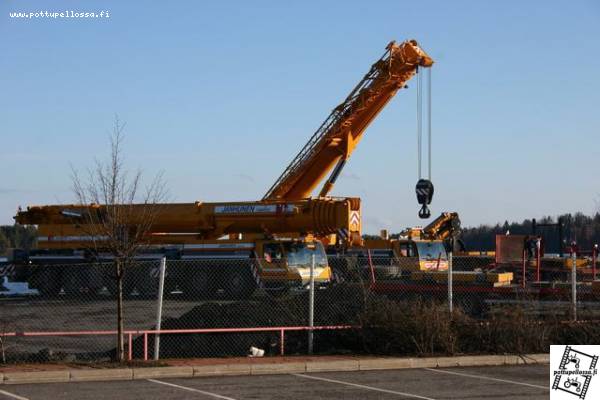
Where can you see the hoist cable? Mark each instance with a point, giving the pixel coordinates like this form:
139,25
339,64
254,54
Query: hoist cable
429,119
419,123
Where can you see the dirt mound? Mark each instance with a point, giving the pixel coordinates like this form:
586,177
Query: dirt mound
336,306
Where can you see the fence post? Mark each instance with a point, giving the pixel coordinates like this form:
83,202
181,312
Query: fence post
130,347
574,285
161,289
450,291
311,305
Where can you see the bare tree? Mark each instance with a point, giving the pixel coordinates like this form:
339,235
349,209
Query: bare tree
120,214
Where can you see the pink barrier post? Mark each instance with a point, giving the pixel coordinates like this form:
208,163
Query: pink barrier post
538,263
282,342
130,347
524,268
371,267
594,260
145,346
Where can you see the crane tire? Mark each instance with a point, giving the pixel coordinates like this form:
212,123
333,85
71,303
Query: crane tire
48,281
197,284
239,282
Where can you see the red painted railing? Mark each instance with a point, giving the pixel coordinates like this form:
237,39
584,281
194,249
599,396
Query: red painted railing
145,333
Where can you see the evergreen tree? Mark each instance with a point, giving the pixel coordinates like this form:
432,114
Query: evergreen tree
585,230
4,243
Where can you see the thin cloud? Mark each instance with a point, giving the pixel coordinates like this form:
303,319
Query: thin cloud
245,177
374,224
25,157
12,190
351,175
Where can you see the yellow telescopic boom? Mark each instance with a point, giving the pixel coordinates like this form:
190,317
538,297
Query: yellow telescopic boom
319,217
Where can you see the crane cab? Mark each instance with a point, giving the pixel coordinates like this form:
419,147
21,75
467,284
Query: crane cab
409,254
431,255
287,263
275,264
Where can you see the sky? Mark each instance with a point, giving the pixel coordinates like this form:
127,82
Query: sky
221,95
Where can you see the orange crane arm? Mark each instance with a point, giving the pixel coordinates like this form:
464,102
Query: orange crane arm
335,140
446,226
443,227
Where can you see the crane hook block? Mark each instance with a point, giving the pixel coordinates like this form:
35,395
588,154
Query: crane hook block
424,191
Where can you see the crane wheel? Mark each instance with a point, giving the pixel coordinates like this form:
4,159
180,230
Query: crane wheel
146,280
278,292
48,281
73,281
110,282
239,282
197,284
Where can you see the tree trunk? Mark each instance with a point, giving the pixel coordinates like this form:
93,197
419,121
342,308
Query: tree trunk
120,336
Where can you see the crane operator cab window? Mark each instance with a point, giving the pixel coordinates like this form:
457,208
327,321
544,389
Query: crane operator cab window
431,251
300,255
407,249
273,253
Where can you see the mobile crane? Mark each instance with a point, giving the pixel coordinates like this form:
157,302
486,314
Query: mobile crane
195,231
427,245
330,147
415,249
192,224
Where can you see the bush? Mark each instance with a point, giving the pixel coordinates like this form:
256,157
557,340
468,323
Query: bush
408,327
425,328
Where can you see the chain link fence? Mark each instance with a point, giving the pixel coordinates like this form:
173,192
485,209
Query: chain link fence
225,307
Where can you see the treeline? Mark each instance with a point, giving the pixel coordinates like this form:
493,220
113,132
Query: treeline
17,236
583,229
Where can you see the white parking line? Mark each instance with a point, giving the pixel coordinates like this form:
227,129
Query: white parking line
189,389
486,378
13,396
318,378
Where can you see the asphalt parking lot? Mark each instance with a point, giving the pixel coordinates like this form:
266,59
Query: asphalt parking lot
502,382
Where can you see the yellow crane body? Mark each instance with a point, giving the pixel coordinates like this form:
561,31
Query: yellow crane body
60,226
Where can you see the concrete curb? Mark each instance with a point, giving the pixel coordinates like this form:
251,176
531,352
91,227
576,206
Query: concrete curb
354,364
104,374
338,365
36,377
172,372
222,369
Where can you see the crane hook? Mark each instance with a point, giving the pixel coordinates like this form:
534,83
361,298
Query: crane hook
424,192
